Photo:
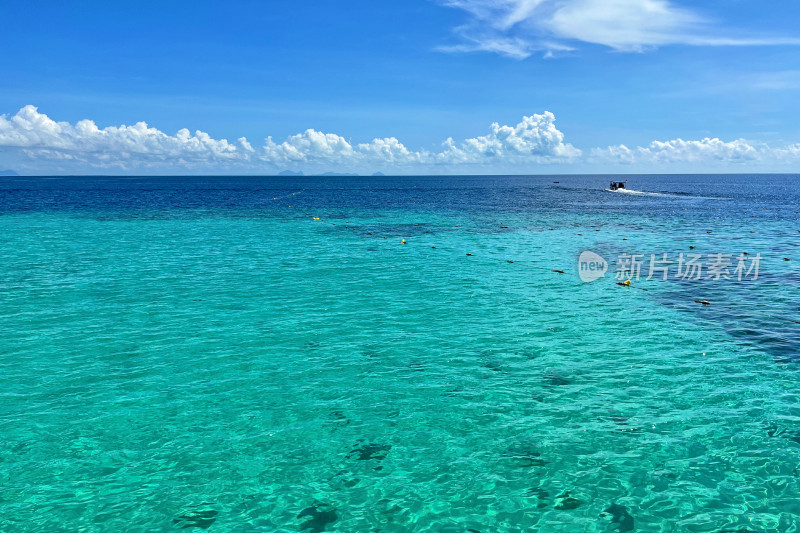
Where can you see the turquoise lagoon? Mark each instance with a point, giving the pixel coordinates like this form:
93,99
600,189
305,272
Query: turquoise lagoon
201,354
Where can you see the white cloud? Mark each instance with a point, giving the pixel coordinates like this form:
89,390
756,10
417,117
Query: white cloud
46,145
309,146
40,136
534,139
509,47
517,28
392,151
535,136
626,25
705,151
789,153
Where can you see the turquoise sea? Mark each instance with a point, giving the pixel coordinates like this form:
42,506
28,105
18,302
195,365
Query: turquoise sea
202,354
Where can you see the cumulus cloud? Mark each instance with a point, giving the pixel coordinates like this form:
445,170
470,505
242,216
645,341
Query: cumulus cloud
309,146
517,28
40,136
48,145
392,151
705,151
534,139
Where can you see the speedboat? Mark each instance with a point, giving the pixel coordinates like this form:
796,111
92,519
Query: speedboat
616,185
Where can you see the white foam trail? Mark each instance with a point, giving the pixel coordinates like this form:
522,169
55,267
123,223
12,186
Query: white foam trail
664,195
645,193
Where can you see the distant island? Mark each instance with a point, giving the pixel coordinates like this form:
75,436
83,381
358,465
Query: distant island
8,173
337,174
292,173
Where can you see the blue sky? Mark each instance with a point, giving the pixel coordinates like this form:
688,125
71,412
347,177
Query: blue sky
365,86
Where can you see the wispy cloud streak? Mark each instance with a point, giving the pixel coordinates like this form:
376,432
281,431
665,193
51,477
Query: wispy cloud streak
518,28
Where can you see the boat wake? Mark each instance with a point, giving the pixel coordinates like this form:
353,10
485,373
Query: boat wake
663,194
644,193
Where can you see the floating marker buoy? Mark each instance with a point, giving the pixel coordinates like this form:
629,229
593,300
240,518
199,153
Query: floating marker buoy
627,282
316,218
403,241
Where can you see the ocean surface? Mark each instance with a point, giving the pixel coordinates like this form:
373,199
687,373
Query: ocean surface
204,354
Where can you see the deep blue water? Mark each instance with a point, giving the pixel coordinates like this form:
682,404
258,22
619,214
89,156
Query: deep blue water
741,196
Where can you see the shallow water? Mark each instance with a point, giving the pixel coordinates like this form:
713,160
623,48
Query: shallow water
201,353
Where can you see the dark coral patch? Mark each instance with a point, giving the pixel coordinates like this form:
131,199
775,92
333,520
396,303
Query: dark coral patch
366,452
565,502
318,518
619,516
542,496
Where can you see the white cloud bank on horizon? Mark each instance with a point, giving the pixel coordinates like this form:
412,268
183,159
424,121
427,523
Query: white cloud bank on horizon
705,151
46,145
518,28
534,140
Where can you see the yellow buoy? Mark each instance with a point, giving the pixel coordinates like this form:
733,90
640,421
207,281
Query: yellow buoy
403,241
627,282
